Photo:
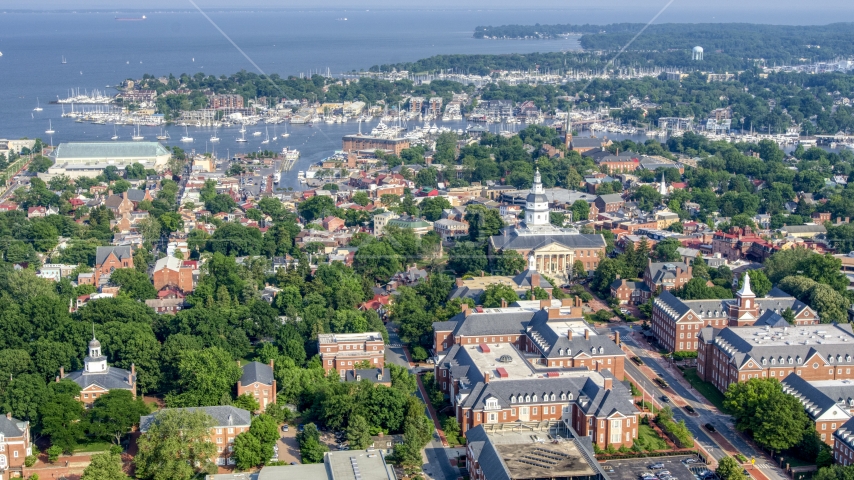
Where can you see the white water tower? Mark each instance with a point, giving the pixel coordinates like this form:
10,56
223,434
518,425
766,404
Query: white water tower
697,53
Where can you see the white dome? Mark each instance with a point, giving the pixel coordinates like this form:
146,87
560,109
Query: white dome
698,49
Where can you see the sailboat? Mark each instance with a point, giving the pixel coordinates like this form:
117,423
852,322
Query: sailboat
38,107
266,140
242,128
138,136
163,137
214,138
286,134
256,133
242,135
186,138
115,134
63,60
49,130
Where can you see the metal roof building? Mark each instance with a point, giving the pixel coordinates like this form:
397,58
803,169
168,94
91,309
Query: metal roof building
88,159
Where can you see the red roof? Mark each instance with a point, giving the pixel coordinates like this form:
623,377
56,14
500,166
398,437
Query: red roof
552,374
502,372
484,348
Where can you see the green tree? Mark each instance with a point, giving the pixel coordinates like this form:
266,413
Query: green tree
115,413
759,283
23,395
467,257
361,198
105,466
61,415
311,450
483,222
495,293
580,210
316,207
432,207
176,446
133,283
247,451
246,402
509,262
204,376
730,469
665,250
358,433
760,408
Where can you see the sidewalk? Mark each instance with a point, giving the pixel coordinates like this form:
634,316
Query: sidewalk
433,415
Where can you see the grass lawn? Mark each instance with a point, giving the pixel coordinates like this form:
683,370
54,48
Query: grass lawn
93,446
648,439
708,390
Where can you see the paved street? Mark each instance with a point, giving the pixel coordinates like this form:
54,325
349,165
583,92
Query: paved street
707,413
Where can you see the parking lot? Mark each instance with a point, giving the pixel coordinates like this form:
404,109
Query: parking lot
632,469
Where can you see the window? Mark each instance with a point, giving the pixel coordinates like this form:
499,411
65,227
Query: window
219,440
230,429
219,431
552,409
513,412
534,411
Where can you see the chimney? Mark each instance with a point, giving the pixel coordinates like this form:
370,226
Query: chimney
617,276
465,309
587,334
535,280
609,383
545,303
569,335
554,312
459,281
485,377
61,371
110,192
125,194
617,338
577,301
482,274
503,303
271,360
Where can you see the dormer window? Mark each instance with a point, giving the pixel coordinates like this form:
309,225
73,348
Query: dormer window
764,362
601,349
568,352
560,352
513,399
553,397
527,398
773,361
800,360
535,397
563,396
790,360
569,397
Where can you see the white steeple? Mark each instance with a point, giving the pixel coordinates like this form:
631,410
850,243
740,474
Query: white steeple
745,289
532,262
662,187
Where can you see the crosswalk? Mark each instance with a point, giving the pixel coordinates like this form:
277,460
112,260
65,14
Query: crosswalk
395,345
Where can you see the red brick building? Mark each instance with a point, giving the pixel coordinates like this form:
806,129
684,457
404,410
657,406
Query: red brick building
843,444
14,446
676,323
829,403
173,272
344,351
258,381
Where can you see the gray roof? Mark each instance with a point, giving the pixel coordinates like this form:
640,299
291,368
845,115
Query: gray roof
844,434
553,344
514,240
256,372
820,397
737,344
599,401
524,280
486,455
109,150
114,378
659,271
466,292
136,195
612,198
537,198
369,374
772,319
447,326
804,229
492,322
12,427
223,416
629,284
101,253
776,301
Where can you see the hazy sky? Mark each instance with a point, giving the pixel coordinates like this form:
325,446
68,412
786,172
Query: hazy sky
844,12
788,12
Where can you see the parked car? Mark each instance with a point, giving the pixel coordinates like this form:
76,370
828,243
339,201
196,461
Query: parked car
637,360
648,476
710,427
300,428
690,409
665,398
663,472
690,461
656,466
624,311
285,427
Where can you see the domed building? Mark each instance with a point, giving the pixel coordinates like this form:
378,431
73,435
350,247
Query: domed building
551,250
97,377
697,53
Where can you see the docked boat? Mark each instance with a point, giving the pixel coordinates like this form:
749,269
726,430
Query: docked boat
277,178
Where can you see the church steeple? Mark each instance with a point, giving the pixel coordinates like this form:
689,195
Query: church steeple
662,187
